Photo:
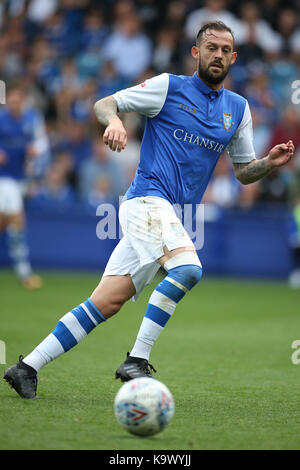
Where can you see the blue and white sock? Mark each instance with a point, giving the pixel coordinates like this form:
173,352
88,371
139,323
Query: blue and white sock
19,252
162,304
70,330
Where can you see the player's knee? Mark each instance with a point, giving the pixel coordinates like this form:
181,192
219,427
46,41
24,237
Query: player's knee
194,275
115,306
112,306
187,275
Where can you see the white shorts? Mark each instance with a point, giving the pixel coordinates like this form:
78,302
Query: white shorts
149,224
11,196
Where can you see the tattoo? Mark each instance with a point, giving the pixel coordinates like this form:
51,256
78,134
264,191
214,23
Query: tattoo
250,172
106,110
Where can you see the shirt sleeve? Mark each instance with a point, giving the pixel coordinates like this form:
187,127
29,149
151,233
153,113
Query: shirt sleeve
241,148
147,98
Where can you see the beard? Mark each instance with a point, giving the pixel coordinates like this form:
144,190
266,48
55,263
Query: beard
210,77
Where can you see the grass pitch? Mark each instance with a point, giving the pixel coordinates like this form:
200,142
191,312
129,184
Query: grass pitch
225,355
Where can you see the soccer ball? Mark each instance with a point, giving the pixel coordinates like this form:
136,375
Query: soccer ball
144,406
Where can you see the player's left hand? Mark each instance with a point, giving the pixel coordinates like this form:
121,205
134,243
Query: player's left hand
281,154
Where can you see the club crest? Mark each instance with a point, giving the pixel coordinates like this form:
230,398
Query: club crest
178,229
227,121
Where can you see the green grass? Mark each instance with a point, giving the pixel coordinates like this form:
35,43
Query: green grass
225,355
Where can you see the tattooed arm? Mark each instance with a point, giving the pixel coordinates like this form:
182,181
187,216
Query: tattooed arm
253,171
115,134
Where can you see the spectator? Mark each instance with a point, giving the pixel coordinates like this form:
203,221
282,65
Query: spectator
58,35
42,65
269,11
55,192
95,31
276,187
68,78
288,128
40,11
82,106
129,49
288,27
262,102
224,189
129,159
122,9
255,30
176,14
151,12
165,51
100,192
100,165
109,80
213,10
74,139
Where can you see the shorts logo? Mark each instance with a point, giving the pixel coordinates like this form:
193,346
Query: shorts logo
177,229
227,121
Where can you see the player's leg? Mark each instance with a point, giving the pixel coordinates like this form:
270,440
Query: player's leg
19,252
111,293
72,328
14,221
106,300
184,272
158,231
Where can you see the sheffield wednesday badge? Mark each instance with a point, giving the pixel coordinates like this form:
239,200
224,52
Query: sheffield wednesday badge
227,121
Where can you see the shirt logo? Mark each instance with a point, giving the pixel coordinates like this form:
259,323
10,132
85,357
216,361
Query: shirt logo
184,136
187,108
227,121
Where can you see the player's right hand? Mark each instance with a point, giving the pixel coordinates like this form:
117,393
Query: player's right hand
115,135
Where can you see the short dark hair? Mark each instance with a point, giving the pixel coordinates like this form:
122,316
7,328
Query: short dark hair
215,25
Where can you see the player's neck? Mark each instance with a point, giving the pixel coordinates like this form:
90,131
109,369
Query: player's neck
213,86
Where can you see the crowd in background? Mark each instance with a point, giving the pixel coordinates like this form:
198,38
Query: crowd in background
67,54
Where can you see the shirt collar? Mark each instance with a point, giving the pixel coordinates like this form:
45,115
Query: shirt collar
205,89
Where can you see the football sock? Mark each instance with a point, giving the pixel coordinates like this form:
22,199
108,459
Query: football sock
162,304
69,331
18,252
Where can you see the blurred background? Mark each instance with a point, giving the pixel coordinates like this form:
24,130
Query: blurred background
68,54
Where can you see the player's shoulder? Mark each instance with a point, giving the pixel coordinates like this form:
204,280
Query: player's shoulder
177,81
235,97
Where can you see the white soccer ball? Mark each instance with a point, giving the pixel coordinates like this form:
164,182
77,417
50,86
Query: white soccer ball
144,406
